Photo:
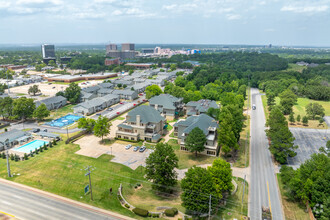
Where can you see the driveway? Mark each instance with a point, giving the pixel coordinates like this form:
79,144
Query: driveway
90,146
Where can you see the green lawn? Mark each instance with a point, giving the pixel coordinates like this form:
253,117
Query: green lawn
295,67
292,210
234,208
188,159
169,127
59,170
118,118
264,104
61,112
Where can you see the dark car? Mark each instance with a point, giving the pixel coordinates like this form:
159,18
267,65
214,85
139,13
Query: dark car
36,130
45,130
98,114
142,149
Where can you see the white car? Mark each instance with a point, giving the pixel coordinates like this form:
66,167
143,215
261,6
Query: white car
128,146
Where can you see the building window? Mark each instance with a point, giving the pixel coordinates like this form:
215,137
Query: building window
126,137
119,136
210,152
132,139
183,148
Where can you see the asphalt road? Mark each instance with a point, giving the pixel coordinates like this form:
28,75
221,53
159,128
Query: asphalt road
263,185
309,142
25,204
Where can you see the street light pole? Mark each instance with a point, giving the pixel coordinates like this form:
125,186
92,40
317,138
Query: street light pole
7,157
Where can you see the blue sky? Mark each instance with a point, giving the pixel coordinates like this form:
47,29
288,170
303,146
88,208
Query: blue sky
280,22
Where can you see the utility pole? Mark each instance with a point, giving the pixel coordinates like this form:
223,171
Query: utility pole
67,132
90,181
210,202
7,157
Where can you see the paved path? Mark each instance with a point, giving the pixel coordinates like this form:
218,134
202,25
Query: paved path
263,185
28,203
167,136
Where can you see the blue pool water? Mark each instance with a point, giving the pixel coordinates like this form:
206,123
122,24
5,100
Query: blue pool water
27,148
64,121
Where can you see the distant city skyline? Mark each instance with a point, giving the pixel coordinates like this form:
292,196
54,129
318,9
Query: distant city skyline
236,22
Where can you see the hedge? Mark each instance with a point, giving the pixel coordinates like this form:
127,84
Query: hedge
171,212
126,205
141,212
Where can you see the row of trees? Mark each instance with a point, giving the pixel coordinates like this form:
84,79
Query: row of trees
22,108
281,138
99,127
198,185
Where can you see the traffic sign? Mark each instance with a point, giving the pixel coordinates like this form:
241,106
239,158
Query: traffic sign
86,189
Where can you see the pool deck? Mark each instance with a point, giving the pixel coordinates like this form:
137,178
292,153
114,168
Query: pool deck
21,154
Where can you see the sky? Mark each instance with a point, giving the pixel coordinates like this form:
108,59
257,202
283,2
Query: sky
252,22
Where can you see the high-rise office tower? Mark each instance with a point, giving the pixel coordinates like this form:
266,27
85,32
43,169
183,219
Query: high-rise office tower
111,47
48,51
127,46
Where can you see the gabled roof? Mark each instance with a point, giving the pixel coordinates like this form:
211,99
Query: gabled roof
85,95
106,85
147,114
105,90
54,99
166,100
12,135
91,89
124,92
203,105
202,121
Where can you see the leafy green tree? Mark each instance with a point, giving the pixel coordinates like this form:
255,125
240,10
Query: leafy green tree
270,100
291,118
180,81
326,150
173,67
190,86
160,168
72,93
41,112
305,120
23,108
281,139
87,124
6,107
195,140
298,118
102,127
152,91
34,90
314,109
197,187
222,176
288,100
52,63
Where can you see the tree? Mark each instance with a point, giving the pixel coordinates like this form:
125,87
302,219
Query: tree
23,108
222,176
6,107
173,67
314,109
195,140
72,93
291,118
160,168
321,121
34,90
270,100
288,100
281,139
124,86
101,127
326,150
87,124
41,112
197,187
52,63
305,120
152,91
298,118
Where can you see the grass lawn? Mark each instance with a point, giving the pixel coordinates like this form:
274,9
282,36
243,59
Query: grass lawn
188,159
169,127
299,109
295,67
59,170
118,118
242,158
292,210
264,104
60,112
234,208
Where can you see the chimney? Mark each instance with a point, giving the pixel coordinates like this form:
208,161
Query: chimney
156,106
138,120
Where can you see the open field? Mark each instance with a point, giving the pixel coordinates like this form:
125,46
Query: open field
188,159
295,67
292,210
46,90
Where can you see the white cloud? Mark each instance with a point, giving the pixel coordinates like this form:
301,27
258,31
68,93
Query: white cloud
305,9
233,16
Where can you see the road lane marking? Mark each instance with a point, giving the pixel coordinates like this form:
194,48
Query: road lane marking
270,205
7,214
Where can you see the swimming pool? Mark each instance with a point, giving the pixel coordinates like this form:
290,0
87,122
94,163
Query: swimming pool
64,121
27,148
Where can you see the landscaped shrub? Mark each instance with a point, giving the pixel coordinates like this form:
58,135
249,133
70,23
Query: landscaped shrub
16,158
141,212
3,155
138,184
127,206
135,186
6,129
171,212
25,156
50,144
155,215
41,150
12,157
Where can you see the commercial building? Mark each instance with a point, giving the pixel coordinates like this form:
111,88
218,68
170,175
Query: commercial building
74,78
127,46
48,53
140,65
147,50
127,51
142,123
109,62
111,47
207,124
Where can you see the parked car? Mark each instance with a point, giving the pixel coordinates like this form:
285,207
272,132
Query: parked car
49,83
45,130
128,146
110,109
136,148
118,113
36,130
121,103
140,94
254,107
134,104
142,149
98,114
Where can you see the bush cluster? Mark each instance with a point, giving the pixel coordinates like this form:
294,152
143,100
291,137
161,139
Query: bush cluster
171,212
141,212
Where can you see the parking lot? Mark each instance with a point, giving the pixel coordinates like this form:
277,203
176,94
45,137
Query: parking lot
45,88
309,142
91,147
